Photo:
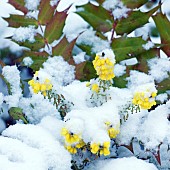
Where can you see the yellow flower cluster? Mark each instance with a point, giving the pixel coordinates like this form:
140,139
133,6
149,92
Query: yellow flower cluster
101,149
40,87
70,137
104,68
73,148
143,101
112,132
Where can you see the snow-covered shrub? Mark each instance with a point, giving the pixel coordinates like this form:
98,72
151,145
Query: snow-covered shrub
114,113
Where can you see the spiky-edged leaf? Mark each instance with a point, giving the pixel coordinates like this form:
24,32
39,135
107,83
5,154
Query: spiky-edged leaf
126,47
19,4
36,45
135,20
134,3
163,26
17,114
64,48
55,27
46,12
98,17
85,71
20,21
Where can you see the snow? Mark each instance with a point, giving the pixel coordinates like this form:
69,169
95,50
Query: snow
162,97
79,58
159,68
88,38
22,34
148,45
61,72
119,70
32,4
130,163
31,147
118,9
28,61
37,107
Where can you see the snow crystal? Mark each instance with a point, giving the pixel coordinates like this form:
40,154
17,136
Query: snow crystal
37,107
61,72
148,45
138,78
32,4
32,147
162,97
119,70
131,163
118,9
129,62
159,68
22,34
28,61
88,38
79,58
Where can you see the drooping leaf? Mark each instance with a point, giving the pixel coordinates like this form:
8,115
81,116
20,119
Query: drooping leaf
135,20
127,47
64,48
85,71
163,26
17,114
39,43
55,27
19,4
98,17
20,21
46,12
134,3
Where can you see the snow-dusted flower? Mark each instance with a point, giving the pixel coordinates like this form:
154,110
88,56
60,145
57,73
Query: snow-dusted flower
39,86
69,136
144,96
104,64
101,149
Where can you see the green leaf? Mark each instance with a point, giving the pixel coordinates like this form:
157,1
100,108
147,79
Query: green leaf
120,82
135,20
17,114
55,27
163,86
7,84
85,71
98,17
20,21
134,3
38,57
46,12
64,48
163,26
19,5
127,47
39,43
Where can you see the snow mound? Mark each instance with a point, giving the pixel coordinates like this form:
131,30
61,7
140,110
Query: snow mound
31,147
131,163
